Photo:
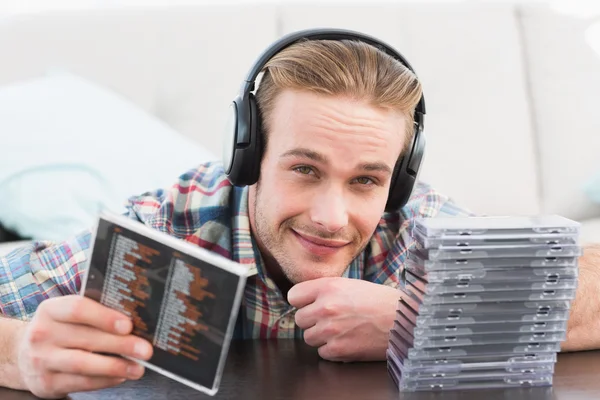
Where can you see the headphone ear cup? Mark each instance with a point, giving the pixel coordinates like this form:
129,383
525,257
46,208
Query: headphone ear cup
406,172
230,140
254,152
244,160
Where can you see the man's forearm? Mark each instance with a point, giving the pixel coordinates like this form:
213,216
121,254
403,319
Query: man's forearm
9,371
583,331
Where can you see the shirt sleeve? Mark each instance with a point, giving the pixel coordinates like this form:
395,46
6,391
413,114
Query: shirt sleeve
40,270
393,240
44,269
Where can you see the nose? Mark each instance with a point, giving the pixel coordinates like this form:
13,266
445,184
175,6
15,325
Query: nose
329,210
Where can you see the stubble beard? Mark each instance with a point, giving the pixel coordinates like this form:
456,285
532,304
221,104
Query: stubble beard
273,239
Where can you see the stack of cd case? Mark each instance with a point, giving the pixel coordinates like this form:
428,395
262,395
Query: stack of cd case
485,302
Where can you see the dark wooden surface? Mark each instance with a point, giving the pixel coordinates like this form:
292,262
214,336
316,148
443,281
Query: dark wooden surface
277,370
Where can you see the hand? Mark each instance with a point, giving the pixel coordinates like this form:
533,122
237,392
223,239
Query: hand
347,319
584,320
56,351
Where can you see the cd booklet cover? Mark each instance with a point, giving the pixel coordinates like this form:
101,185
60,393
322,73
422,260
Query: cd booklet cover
183,299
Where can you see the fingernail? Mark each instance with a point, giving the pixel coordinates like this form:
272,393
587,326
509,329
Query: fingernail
141,350
122,327
134,371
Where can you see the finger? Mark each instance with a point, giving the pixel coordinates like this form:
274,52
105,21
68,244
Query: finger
331,352
94,294
307,316
79,362
63,384
93,340
314,337
82,310
304,293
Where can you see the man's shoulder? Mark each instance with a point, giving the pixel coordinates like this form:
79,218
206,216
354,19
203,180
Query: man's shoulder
424,202
199,195
204,185
427,202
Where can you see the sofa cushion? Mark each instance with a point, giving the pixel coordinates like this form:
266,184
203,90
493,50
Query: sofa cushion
565,89
592,188
183,63
76,148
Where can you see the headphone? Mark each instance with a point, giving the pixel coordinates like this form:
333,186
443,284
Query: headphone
242,149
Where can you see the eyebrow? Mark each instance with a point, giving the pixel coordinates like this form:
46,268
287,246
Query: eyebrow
318,157
306,153
375,167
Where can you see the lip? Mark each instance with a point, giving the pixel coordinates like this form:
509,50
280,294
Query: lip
318,245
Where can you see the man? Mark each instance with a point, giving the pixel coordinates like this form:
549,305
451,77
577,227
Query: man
337,116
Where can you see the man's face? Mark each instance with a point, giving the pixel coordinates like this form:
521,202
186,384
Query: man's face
324,182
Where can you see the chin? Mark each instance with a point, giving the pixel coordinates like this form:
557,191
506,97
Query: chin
301,265
308,270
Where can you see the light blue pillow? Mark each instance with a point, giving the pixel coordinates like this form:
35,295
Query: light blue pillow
592,188
70,148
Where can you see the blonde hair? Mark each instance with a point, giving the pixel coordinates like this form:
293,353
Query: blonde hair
348,68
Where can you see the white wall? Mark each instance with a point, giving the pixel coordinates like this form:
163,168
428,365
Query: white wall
27,6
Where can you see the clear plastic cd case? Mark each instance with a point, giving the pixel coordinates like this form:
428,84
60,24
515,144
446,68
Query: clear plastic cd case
445,318
497,225
503,362
485,286
466,297
437,385
472,350
499,360
458,252
490,329
506,275
461,263
493,240
475,340
495,371
500,307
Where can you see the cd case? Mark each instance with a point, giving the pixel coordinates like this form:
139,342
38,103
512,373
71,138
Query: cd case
461,352
551,282
504,362
512,226
514,370
493,240
466,382
449,318
498,251
406,318
183,299
451,340
480,297
419,260
476,276
539,308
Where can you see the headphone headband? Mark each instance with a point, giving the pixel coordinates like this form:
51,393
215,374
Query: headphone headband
248,84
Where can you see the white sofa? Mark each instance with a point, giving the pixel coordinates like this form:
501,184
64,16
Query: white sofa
511,90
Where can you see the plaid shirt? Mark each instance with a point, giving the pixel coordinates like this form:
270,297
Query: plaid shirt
205,209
